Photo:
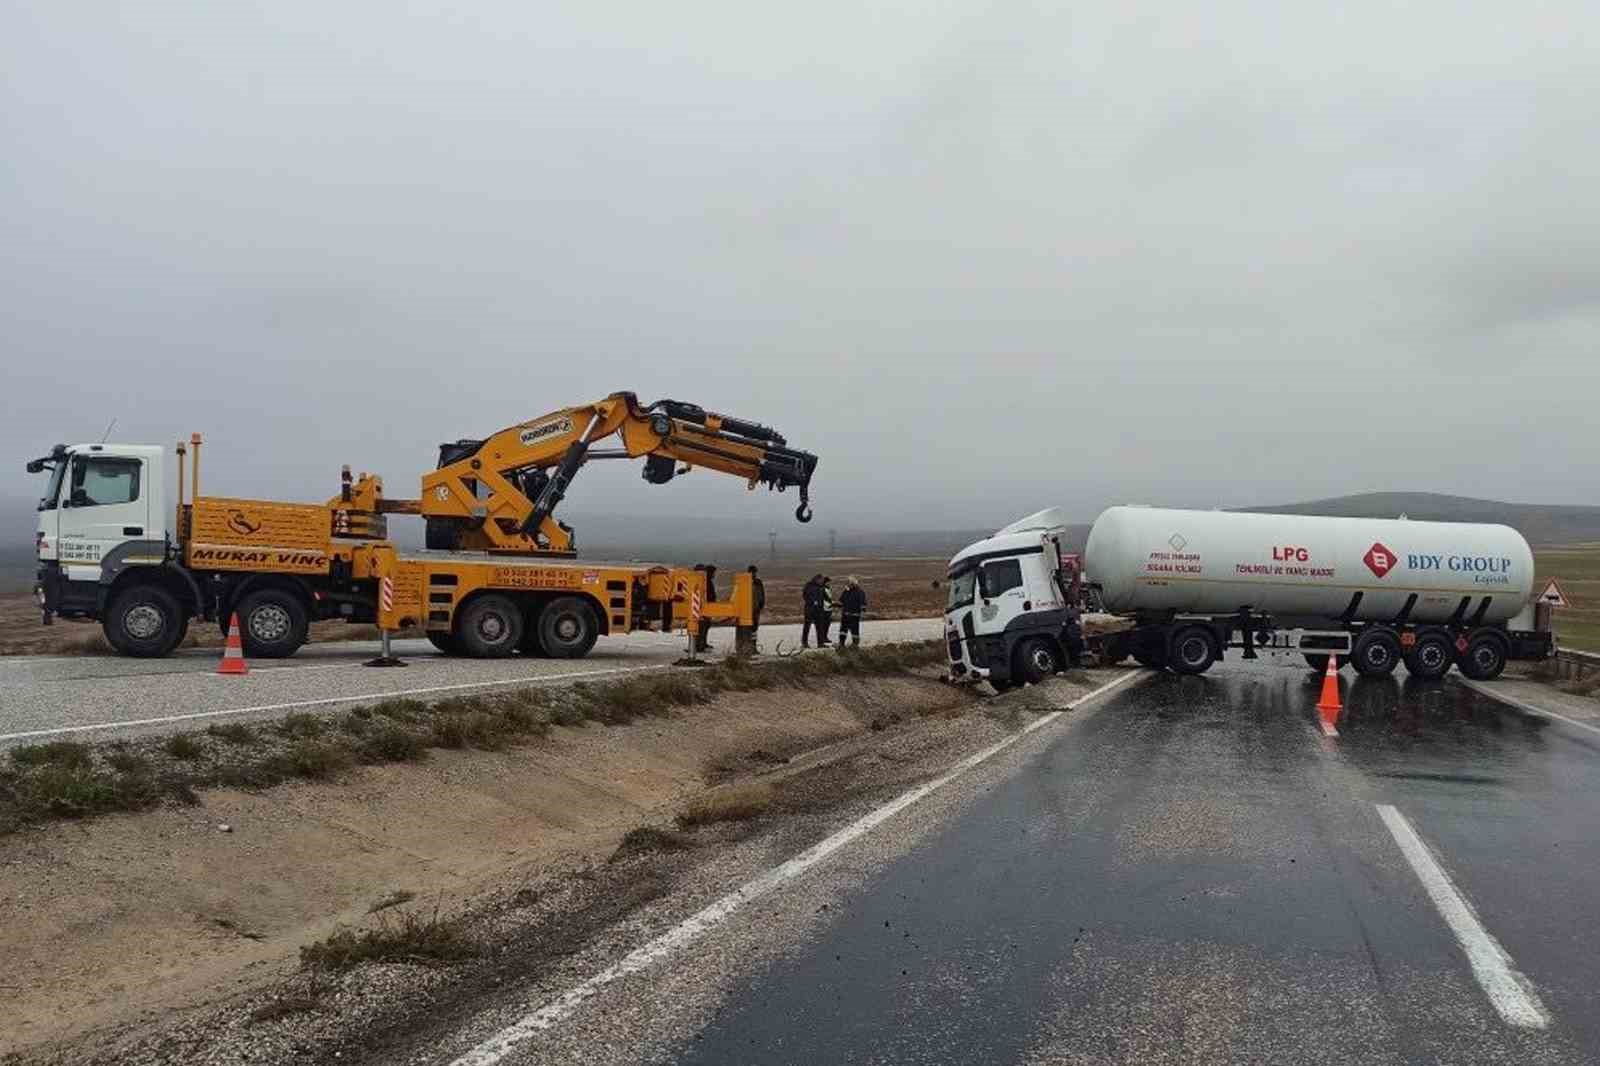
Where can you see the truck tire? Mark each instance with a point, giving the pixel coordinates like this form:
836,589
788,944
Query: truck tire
1430,657
1319,663
1484,658
1194,649
489,627
144,621
272,623
568,628
1376,653
447,644
1037,659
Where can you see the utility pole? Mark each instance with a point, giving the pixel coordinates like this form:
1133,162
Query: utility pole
772,545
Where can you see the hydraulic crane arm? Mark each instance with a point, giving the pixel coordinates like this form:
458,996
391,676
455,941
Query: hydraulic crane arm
500,493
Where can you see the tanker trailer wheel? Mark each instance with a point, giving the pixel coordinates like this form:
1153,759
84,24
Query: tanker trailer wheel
1376,654
568,628
1037,659
1484,658
489,627
1194,649
1430,657
1319,663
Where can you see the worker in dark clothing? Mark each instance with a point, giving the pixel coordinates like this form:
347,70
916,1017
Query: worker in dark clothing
758,595
810,597
816,603
852,605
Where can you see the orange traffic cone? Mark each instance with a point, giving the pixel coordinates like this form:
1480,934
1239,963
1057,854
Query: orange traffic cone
1330,687
233,652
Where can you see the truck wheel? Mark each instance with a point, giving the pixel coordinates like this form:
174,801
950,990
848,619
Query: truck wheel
1484,658
1319,663
490,627
1037,659
272,624
1430,657
1194,649
1376,654
568,628
144,621
446,643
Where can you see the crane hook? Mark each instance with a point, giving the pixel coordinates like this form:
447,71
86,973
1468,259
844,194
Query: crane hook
802,513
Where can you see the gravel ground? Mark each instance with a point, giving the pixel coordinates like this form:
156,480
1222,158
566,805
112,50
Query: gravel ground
566,924
97,697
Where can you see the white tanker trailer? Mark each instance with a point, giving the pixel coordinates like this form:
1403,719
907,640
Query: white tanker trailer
1193,584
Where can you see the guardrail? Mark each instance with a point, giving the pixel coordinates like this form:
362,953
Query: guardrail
1571,663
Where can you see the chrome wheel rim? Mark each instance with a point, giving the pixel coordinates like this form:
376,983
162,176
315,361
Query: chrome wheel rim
269,623
143,622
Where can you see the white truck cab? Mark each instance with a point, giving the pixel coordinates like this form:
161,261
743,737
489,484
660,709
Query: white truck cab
104,510
1011,609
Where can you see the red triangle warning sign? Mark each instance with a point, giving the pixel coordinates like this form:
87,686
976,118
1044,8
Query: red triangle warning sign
1553,595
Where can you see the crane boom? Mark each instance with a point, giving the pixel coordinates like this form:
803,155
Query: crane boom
500,493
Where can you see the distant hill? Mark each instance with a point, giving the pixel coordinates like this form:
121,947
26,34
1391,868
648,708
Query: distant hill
1542,524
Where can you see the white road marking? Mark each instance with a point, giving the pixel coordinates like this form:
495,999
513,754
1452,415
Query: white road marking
1511,993
169,718
1528,708
498,1046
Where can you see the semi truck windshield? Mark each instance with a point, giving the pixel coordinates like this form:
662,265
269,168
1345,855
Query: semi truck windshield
962,586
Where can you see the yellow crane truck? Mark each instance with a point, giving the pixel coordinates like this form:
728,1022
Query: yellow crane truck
500,573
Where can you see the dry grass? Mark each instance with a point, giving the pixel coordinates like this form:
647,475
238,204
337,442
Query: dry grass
391,899
233,733
409,938
648,839
67,754
184,746
735,803
1577,567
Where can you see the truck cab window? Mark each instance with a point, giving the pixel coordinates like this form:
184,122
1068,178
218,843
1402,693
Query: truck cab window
959,589
98,481
1001,576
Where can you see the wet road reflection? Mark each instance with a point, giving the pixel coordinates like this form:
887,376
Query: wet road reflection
1194,873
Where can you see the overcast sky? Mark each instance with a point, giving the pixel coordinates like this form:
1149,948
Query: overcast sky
980,257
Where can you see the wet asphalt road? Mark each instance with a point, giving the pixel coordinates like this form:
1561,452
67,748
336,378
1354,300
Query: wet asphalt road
1193,873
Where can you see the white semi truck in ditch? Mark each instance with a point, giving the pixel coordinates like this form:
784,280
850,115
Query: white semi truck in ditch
1188,586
